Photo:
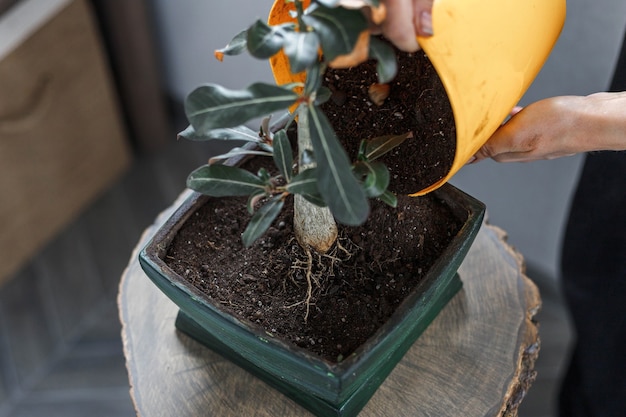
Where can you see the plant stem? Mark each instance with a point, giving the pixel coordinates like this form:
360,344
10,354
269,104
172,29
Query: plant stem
300,13
314,226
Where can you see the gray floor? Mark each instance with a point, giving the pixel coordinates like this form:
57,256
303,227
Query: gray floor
65,359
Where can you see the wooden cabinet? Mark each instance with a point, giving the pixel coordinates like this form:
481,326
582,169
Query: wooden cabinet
62,140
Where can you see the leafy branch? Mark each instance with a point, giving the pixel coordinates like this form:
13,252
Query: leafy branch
327,33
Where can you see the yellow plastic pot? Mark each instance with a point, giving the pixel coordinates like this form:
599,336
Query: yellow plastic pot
486,53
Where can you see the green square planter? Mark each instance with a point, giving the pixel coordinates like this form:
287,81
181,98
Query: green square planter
324,388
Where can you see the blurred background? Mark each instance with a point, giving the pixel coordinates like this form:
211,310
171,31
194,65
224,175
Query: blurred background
91,95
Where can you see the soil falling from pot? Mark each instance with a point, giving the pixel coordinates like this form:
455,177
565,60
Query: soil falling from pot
417,103
331,304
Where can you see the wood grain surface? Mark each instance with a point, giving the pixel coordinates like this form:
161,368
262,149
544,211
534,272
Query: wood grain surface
475,359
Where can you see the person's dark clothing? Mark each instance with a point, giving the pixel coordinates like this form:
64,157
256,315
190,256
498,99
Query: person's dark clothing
593,268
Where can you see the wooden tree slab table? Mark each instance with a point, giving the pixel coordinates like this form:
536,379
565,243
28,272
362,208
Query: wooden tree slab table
476,358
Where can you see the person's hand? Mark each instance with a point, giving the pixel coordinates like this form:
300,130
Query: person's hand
404,20
559,126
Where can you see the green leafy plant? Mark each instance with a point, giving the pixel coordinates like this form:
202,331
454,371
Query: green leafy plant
326,184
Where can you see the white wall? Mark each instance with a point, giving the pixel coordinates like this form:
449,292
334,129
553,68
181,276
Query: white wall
190,30
528,200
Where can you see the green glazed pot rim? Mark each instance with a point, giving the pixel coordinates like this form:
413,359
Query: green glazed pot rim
337,380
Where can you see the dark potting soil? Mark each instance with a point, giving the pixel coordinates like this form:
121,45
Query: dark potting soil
348,293
417,103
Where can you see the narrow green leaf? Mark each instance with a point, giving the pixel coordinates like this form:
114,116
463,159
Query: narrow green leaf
383,53
223,180
263,40
190,134
236,46
302,49
328,3
337,28
362,153
315,199
264,130
389,198
376,180
254,199
238,152
336,182
262,220
212,106
304,183
231,133
323,95
377,147
314,78
283,120
283,154
264,175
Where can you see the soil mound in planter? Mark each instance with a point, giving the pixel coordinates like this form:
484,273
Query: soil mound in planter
350,292
355,287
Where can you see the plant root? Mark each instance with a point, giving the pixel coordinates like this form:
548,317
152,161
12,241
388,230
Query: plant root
314,267
309,290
